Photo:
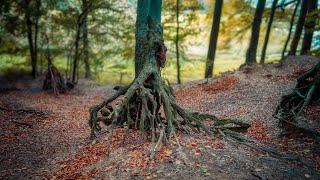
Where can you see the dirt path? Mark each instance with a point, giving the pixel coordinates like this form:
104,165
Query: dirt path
42,136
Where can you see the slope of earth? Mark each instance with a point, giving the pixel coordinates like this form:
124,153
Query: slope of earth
43,136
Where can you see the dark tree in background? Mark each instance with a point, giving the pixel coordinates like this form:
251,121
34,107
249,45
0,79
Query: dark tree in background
23,22
290,29
309,26
82,19
266,40
177,42
213,38
32,16
255,31
299,28
86,49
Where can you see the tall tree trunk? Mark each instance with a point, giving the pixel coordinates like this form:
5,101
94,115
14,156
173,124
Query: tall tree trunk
309,27
213,38
254,40
177,42
36,34
76,50
31,47
86,49
266,40
148,96
82,18
141,28
299,28
31,39
290,29
145,8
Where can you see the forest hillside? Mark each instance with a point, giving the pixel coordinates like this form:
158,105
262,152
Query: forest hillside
159,89
41,139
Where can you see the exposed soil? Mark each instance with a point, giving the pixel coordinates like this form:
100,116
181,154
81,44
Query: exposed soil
43,136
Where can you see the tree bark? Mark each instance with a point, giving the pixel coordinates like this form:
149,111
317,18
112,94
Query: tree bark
36,33
148,103
290,29
31,47
213,38
255,31
299,28
266,40
86,49
32,35
309,27
76,52
145,9
86,8
177,42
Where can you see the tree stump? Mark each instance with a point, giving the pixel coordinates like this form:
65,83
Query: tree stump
53,80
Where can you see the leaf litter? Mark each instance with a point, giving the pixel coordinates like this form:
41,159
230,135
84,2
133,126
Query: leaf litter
57,146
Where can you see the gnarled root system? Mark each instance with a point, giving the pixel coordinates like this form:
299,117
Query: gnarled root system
291,108
148,104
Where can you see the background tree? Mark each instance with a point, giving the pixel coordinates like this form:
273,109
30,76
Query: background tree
255,31
32,15
86,49
237,14
177,42
299,28
111,44
213,38
309,26
62,17
266,40
188,29
86,7
290,29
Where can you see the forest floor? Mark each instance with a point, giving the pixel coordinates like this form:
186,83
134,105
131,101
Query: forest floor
43,136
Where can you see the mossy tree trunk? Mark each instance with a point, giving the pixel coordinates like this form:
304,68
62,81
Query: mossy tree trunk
148,103
251,55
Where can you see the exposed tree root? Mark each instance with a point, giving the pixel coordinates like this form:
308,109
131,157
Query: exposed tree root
26,111
292,106
148,104
21,123
237,138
